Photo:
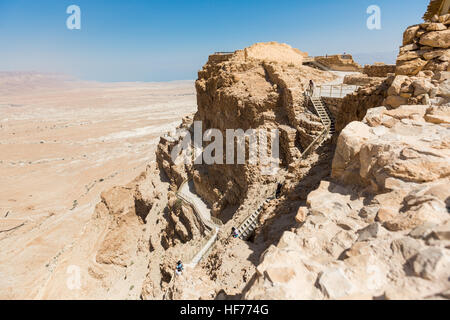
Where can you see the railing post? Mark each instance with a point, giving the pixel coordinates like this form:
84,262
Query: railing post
331,90
340,93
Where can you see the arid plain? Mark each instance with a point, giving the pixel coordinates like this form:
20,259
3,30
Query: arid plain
63,142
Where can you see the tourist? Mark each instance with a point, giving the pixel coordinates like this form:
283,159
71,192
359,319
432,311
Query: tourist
311,88
179,269
234,232
278,192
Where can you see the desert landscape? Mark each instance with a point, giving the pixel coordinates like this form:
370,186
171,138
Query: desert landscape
102,195
63,141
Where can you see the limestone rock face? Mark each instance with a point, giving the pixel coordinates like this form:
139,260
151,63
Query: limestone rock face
125,209
338,62
381,227
438,39
190,287
410,34
248,90
423,48
334,284
379,69
175,169
399,138
410,67
275,52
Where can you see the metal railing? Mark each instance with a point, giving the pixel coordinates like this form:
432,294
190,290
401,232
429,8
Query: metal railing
211,225
334,90
189,256
259,210
317,141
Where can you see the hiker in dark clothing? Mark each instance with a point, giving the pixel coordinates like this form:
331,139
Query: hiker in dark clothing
179,269
278,192
234,232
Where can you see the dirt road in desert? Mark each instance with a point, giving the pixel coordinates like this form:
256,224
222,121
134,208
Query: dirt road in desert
63,142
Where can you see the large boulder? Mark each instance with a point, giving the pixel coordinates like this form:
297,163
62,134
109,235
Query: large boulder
410,34
437,39
410,67
334,284
398,147
432,263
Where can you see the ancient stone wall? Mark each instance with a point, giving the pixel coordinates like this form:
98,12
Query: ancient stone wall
425,47
334,105
339,62
379,70
250,91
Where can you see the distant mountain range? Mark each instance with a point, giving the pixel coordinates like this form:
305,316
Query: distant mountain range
371,58
24,81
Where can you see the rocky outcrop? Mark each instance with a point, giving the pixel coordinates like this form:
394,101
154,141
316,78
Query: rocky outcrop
176,171
421,78
380,228
401,151
125,208
424,89
247,90
367,218
425,48
183,225
355,105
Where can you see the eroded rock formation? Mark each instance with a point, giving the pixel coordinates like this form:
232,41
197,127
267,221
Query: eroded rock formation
260,88
365,215
380,228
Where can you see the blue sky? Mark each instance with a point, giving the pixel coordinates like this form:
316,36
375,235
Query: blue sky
149,40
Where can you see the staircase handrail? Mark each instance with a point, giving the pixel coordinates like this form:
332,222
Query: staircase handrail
212,226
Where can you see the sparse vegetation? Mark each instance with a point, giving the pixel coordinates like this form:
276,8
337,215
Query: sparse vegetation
74,205
178,204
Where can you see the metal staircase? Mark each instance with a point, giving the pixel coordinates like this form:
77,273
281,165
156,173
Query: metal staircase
323,113
209,221
311,62
250,224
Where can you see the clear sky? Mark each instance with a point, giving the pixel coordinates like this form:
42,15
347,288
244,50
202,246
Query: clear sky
150,40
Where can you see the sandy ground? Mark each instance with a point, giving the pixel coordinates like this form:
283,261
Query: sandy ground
63,142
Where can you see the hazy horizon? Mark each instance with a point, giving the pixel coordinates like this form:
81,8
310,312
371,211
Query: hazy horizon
158,41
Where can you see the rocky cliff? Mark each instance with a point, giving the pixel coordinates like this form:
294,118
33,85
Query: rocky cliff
363,215
425,47
380,227
259,88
